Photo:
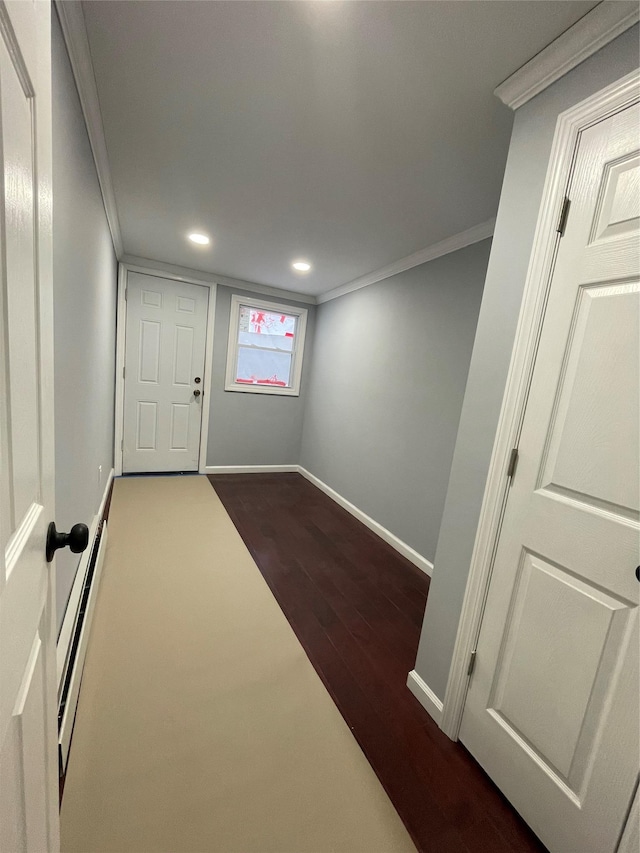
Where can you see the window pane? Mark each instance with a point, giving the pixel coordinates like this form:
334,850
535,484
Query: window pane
276,342
256,321
262,367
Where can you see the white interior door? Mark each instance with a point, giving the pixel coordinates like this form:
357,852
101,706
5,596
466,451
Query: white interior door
552,709
28,732
166,333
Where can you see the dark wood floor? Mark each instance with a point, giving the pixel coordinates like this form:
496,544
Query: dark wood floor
356,606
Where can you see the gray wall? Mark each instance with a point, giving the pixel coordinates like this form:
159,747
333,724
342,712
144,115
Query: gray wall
253,429
387,381
513,239
84,277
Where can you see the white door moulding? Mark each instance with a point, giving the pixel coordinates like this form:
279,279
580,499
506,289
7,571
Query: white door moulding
570,124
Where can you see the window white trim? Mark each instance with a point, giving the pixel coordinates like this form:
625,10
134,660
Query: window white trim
296,353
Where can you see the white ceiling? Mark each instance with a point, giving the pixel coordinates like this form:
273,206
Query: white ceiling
350,134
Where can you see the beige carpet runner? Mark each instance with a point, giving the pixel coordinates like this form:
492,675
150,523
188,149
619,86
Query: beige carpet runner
202,725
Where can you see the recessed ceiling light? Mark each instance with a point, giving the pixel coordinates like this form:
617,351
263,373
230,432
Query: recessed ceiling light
200,239
301,266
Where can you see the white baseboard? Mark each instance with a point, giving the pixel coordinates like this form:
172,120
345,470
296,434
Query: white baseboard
425,696
71,613
69,714
401,547
251,469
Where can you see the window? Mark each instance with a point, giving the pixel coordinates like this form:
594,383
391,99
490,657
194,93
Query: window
266,343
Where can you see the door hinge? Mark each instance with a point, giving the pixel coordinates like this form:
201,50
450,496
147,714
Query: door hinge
513,463
123,372
126,293
472,662
122,444
564,213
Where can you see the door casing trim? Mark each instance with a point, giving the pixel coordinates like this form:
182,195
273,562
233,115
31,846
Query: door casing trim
121,319
570,124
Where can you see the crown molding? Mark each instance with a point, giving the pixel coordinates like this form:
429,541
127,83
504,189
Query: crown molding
593,31
74,31
146,265
436,250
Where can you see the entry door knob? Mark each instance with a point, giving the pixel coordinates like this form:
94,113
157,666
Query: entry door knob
196,393
76,539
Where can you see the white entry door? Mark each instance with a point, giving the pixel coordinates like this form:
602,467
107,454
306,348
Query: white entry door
164,372
28,731
552,709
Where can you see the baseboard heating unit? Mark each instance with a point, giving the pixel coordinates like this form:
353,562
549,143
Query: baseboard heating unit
72,675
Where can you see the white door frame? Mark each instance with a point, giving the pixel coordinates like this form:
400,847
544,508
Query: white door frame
570,124
630,839
121,319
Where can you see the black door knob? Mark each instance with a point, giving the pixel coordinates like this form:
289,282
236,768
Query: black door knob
76,539
196,393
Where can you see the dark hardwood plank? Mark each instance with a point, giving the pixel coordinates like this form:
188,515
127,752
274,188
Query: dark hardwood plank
356,606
